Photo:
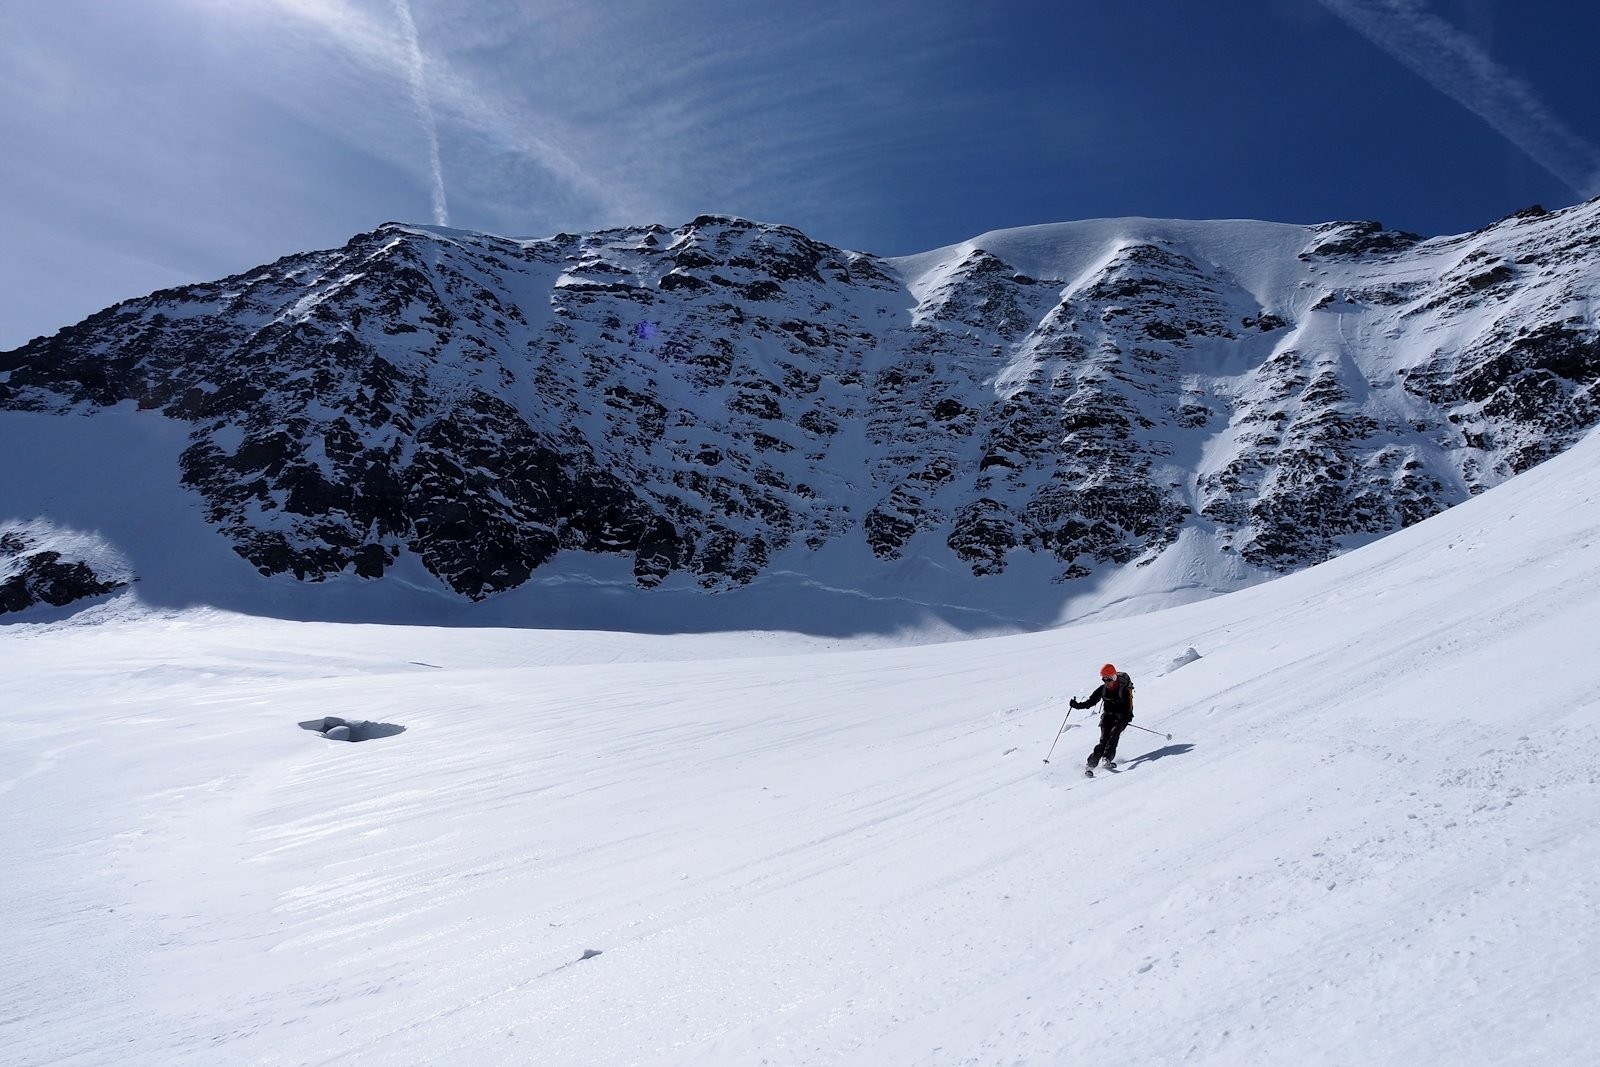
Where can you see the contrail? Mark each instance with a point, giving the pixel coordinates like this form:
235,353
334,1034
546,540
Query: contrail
419,96
1454,64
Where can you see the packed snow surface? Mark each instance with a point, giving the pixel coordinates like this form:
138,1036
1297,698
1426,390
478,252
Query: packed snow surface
1372,837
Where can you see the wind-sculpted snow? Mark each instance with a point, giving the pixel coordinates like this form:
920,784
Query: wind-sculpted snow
335,728
726,400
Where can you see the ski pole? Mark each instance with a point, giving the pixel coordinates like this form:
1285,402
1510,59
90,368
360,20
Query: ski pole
1147,730
1047,755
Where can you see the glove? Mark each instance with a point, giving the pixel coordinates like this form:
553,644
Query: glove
1075,705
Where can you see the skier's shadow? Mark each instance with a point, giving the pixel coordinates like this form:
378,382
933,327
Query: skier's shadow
1157,753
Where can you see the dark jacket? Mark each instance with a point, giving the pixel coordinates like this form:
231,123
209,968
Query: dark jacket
1118,701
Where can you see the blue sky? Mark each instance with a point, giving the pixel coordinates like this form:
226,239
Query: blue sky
151,143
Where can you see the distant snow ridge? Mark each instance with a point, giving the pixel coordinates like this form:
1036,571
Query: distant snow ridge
726,400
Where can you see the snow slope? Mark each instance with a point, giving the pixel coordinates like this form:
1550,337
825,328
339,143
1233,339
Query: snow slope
1372,837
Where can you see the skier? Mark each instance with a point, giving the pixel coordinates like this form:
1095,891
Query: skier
1116,697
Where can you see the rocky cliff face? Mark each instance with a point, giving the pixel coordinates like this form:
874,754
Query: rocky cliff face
723,398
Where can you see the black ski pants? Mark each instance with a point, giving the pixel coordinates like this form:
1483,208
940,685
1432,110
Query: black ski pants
1111,726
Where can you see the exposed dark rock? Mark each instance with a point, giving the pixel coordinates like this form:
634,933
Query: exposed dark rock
983,532
1346,240
44,577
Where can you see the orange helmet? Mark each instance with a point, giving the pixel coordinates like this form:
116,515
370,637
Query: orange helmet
1108,671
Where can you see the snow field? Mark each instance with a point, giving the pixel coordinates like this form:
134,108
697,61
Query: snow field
1371,839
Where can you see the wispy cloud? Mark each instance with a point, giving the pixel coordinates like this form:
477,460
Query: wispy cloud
582,114
1454,63
468,104
791,113
418,76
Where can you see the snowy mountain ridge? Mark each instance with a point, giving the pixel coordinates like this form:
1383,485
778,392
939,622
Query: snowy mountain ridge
1036,424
